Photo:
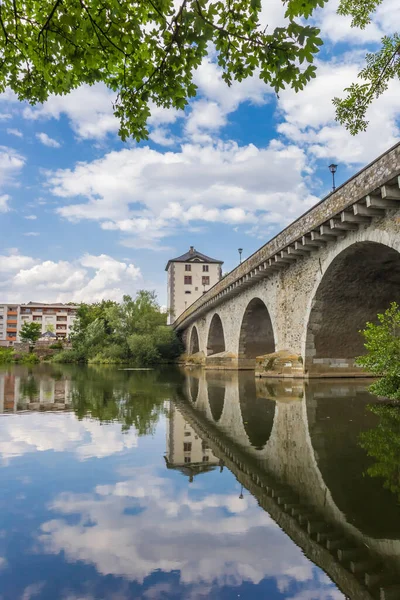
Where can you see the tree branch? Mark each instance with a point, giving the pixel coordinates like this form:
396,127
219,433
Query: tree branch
93,22
3,27
49,18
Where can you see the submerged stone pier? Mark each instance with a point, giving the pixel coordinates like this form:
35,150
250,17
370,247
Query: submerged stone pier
296,306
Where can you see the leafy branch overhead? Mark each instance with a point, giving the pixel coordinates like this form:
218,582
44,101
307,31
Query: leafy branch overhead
148,50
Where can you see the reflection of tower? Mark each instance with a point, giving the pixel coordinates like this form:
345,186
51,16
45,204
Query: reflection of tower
186,451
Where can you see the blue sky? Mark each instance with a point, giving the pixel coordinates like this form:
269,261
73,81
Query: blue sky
84,216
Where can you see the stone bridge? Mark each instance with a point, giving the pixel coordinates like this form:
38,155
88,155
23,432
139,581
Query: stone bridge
294,446
298,303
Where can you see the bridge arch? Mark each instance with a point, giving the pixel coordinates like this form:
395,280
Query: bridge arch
216,399
216,338
194,345
193,388
257,413
256,333
358,283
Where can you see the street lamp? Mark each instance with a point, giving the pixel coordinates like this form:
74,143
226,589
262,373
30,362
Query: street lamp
240,250
333,169
241,492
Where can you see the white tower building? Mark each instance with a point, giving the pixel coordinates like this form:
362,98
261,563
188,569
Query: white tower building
189,276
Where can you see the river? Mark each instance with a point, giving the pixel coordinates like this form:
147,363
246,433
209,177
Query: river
120,484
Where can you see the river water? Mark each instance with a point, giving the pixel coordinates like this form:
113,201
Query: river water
120,484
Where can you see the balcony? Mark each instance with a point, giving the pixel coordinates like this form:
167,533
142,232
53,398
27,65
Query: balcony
12,322
12,313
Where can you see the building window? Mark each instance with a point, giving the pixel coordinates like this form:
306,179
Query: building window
188,292
188,279
187,433
187,459
187,446
205,268
205,280
206,458
188,267
204,445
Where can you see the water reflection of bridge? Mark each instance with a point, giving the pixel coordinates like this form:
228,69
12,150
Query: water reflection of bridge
294,446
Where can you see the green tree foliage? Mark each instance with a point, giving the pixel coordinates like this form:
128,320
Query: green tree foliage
134,331
382,342
30,332
383,444
133,399
147,51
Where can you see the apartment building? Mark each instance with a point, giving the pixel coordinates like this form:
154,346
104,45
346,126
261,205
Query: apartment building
189,276
58,318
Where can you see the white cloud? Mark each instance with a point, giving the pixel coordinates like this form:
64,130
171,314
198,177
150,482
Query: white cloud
89,279
337,28
14,262
10,165
31,217
47,140
32,233
85,438
88,108
15,132
309,117
147,195
143,524
4,207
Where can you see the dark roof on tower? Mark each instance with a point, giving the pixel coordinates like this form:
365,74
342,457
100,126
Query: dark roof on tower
192,255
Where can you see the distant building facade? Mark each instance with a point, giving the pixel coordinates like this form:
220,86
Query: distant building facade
189,276
58,318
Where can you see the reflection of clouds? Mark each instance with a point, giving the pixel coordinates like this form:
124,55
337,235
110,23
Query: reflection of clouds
32,590
141,525
22,434
318,593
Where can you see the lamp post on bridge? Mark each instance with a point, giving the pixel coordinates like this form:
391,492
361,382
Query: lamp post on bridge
240,250
333,169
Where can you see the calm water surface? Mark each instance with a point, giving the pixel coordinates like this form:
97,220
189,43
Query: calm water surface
121,484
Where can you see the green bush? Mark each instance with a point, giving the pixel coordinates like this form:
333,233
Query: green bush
168,344
29,359
56,346
6,355
382,342
68,356
143,349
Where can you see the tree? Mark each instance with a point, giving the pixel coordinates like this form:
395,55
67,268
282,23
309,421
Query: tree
383,444
148,50
133,331
50,328
30,332
382,342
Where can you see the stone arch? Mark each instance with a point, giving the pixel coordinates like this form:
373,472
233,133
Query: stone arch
256,332
194,388
336,423
359,282
257,413
194,345
216,338
216,398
